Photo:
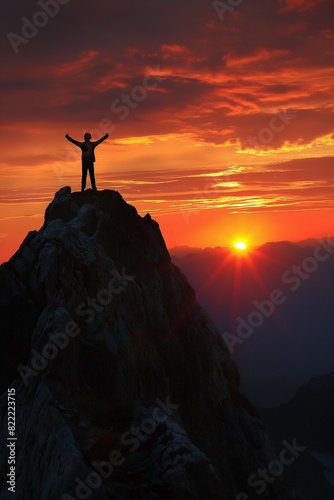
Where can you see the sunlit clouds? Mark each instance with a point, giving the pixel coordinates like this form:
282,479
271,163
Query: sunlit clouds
208,119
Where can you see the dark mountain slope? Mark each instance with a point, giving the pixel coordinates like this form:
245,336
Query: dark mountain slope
123,385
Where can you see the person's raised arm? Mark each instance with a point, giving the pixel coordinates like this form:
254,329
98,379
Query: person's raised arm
101,140
77,143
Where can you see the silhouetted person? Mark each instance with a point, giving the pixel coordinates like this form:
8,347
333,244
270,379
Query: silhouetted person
88,157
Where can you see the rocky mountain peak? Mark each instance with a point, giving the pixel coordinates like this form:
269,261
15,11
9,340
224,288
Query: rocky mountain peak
124,387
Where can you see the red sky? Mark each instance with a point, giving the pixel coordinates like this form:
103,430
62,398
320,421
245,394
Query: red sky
220,123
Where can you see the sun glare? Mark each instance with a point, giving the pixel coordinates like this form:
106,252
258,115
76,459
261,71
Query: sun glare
240,245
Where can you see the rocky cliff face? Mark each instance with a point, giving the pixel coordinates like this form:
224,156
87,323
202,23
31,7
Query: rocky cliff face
123,385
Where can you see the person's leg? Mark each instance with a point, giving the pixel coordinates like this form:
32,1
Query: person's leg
92,176
84,177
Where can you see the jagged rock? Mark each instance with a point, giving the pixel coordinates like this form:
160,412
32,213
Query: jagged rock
102,336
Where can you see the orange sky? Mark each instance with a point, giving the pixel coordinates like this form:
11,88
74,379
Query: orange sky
222,129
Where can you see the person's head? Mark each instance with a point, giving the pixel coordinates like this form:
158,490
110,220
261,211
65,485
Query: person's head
87,136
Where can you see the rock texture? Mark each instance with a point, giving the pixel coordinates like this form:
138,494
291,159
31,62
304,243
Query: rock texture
124,387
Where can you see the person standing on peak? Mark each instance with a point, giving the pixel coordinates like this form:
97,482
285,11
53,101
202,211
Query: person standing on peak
88,157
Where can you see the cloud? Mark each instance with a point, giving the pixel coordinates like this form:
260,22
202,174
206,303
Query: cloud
300,5
222,84
303,184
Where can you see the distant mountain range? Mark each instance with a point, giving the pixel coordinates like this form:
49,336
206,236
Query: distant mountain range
308,419
185,250
274,307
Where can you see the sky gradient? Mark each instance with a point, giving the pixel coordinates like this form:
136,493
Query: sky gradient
220,118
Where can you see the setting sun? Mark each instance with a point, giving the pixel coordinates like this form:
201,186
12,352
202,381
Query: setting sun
240,245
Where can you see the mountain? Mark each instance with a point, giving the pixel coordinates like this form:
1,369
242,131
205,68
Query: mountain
308,417
274,308
122,386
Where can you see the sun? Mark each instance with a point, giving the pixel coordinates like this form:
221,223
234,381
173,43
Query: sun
240,245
